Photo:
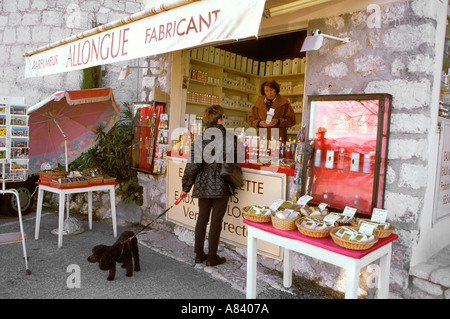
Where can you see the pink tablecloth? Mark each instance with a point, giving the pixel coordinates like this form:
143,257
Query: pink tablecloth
80,186
326,243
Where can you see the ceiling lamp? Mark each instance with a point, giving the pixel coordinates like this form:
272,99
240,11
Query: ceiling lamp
315,41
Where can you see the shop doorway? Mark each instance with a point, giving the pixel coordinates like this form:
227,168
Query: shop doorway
230,75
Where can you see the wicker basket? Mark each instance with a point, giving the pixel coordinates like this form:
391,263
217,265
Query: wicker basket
312,232
283,224
380,233
109,180
95,180
47,176
253,217
351,244
71,184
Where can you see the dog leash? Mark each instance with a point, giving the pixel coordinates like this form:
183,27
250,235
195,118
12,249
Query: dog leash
179,199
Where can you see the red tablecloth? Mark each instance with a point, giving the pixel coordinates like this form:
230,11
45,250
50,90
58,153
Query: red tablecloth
326,243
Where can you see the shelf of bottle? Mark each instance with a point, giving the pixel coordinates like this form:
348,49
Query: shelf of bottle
236,89
223,106
283,75
344,170
206,83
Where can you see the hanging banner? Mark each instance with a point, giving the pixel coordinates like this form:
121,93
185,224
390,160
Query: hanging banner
198,23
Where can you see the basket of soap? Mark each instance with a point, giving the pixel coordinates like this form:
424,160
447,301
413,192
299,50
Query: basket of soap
257,213
93,175
349,237
285,219
313,211
108,179
341,219
50,175
381,230
70,182
314,227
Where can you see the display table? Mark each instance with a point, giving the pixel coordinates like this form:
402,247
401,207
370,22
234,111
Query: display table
63,191
320,248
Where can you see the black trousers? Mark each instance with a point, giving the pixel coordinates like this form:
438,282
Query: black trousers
216,208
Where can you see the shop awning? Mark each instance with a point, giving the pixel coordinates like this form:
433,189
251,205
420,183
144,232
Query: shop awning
176,25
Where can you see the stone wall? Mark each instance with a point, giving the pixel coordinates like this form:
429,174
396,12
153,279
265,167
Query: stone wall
396,57
29,24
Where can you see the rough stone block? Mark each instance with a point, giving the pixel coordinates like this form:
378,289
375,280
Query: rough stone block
52,18
40,34
336,70
409,123
423,270
10,6
421,64
397,67
25,38
402,207
39,5
23,5
426,8
9,35
15,19
428,287
32,19
406,38
369,64
407,149
3,21
441,277
407,94
413,176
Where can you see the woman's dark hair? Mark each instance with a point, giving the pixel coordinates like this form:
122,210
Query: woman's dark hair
212,114
270,83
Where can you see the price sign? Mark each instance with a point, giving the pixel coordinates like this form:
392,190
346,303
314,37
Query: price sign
379,215
304,200
349,211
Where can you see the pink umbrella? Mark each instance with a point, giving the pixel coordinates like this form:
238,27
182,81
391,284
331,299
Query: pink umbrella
65,123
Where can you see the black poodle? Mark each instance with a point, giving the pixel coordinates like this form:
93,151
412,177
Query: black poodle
123,250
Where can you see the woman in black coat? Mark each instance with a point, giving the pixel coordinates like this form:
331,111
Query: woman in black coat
202,170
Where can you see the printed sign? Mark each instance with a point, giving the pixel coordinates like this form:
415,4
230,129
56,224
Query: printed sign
198,23
442,193
260,188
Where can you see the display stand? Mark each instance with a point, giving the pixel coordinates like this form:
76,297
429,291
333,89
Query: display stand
349,135
14,162
150,138
323,249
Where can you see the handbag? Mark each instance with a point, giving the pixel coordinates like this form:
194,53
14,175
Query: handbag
232,174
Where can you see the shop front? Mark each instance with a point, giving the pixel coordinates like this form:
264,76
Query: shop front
376,97
383,57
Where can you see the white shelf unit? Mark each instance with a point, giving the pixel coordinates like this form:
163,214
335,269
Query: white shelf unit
14,138
14,162
233,81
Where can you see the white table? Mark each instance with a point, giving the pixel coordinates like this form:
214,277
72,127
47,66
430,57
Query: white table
63,191
323,249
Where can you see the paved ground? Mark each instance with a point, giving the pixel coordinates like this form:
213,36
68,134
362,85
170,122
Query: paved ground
168,271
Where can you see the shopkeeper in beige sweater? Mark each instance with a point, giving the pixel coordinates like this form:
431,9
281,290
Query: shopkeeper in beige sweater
283,114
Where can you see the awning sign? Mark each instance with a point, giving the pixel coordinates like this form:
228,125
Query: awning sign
198,23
